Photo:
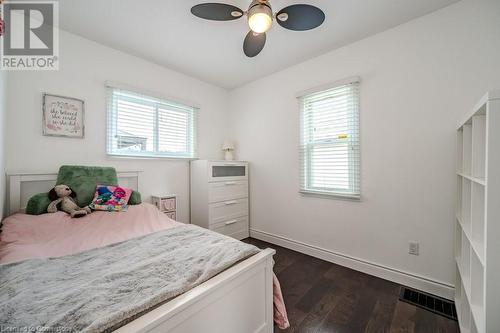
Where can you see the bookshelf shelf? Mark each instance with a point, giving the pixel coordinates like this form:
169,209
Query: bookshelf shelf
477,216
479,181
477,250
466,205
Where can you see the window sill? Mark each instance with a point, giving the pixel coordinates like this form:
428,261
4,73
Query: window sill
143,157
331,195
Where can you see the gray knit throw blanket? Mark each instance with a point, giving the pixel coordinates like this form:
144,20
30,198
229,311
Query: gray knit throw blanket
104,288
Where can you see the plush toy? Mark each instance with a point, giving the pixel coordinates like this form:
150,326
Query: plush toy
65,195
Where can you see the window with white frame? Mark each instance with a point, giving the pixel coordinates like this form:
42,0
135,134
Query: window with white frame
145,126
329,141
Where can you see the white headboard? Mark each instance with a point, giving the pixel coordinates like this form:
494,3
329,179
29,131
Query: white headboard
24,185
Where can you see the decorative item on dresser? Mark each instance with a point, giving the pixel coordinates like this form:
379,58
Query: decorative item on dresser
228,148
219,196
167,204
477,230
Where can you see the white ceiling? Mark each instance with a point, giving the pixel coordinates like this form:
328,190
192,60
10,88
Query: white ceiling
165,32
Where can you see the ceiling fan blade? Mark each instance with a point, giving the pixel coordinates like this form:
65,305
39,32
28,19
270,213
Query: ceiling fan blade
300,17
254,43
217,11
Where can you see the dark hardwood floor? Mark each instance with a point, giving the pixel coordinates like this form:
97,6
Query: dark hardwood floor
322,297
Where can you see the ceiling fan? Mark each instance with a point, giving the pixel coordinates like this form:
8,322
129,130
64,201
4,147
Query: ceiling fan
260,19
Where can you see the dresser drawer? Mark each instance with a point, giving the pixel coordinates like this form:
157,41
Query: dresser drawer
227,171
168,204
229,190
171,215
165,203
227,210
231,227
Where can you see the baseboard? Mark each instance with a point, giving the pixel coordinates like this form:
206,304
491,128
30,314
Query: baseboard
240,234
431,286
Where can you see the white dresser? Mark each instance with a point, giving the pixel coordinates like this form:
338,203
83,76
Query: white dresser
219,196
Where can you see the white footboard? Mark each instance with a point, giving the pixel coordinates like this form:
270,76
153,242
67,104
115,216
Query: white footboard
238,300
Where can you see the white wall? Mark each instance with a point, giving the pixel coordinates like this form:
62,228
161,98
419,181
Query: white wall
418,81
3,136
84,68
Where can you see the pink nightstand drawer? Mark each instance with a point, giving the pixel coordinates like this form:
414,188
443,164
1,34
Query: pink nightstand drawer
171,215
168,204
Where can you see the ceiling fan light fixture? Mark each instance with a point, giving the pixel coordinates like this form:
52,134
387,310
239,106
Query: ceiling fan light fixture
297,17
282,17
260,18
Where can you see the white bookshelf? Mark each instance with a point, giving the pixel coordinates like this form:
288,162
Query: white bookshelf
477,227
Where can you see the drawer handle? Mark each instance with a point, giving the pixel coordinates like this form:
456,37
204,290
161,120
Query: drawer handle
231,222
227,203
230,183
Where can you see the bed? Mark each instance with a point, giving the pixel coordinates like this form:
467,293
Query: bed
235,297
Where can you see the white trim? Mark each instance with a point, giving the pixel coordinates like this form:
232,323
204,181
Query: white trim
150,157
336,195
426,284
134,89
331,85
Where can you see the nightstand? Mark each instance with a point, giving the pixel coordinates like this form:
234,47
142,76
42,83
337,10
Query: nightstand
166,204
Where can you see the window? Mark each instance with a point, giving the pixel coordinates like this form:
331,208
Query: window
144,126
329,141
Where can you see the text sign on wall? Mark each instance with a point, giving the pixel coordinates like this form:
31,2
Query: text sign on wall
63,116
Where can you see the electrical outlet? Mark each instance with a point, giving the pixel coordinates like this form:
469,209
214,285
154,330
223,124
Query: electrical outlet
413,248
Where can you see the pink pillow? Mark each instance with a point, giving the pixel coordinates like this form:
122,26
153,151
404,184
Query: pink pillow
111,198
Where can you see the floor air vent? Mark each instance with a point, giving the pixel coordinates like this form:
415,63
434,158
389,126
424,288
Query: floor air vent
429,302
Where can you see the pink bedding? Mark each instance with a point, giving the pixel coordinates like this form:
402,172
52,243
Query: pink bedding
52,235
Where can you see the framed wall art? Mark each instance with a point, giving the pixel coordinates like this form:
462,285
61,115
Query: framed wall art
63,116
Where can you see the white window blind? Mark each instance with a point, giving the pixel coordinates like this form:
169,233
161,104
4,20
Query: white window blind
329,141
145,126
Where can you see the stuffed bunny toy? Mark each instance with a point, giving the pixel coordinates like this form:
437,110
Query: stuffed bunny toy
65,195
